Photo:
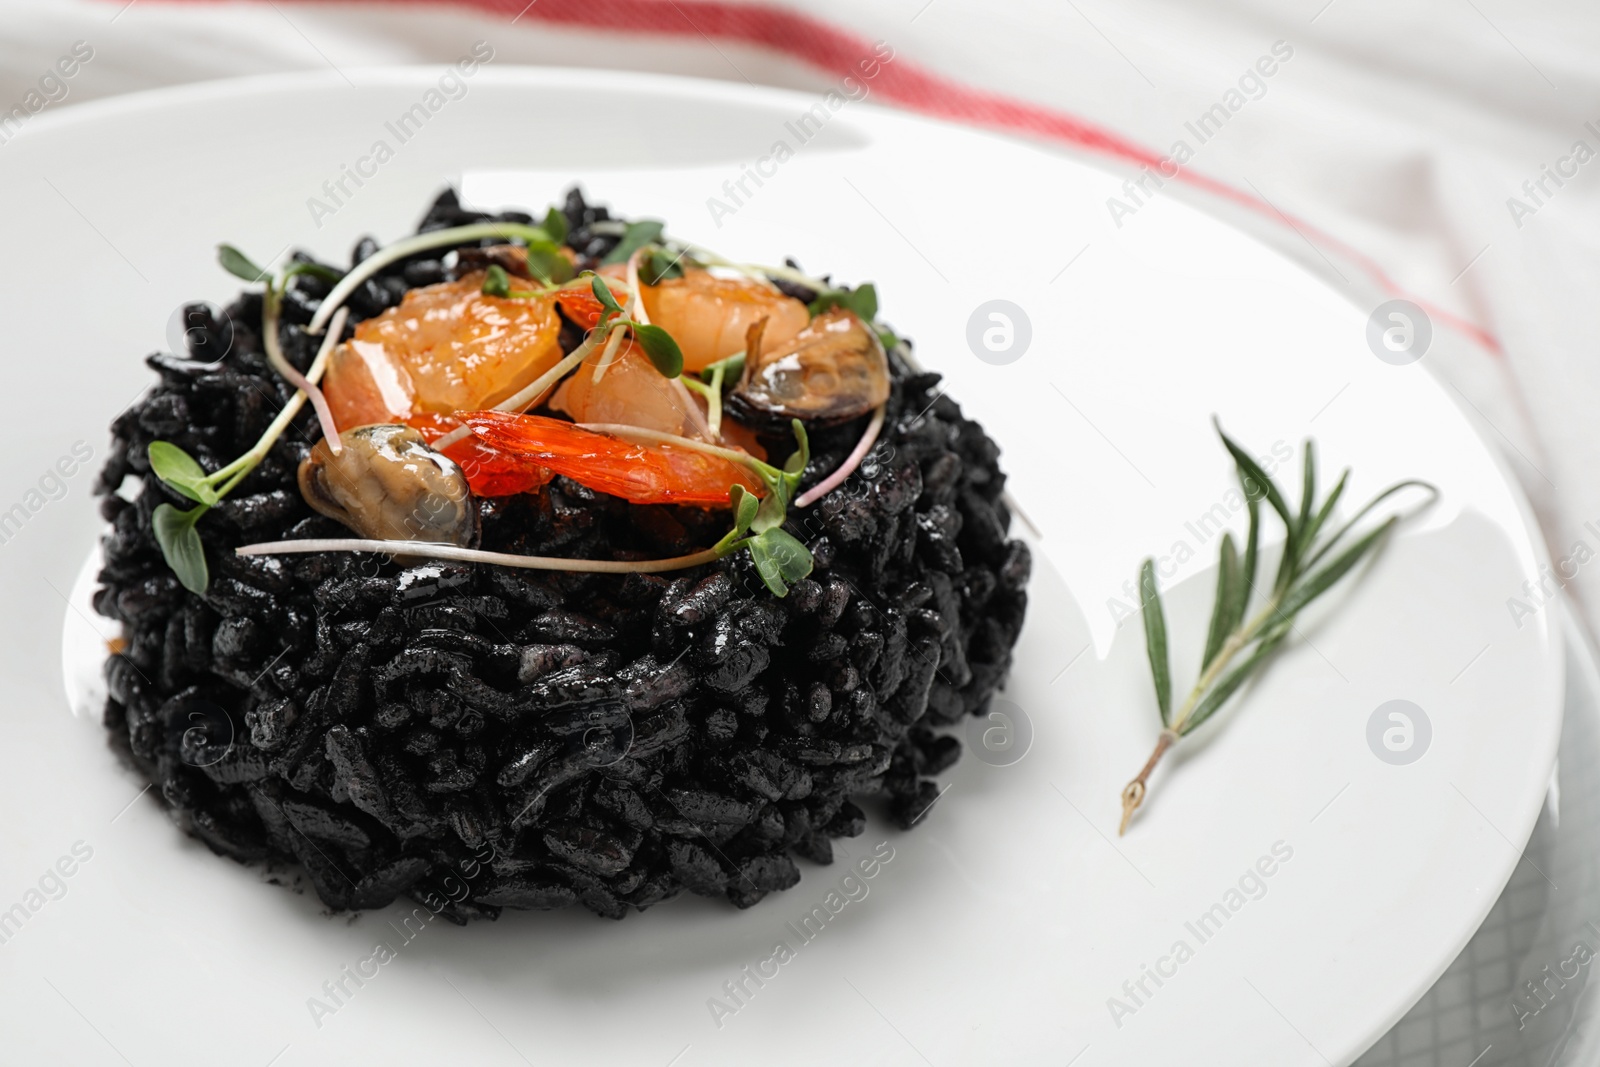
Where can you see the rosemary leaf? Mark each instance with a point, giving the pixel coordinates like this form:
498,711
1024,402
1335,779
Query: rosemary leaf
1252,549
1308,492
1309,589
1321,517
1230,586
1250,471
1155,639
1410,483
1230,682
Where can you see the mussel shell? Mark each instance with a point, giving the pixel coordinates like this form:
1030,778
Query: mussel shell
386,483
832,371
513,259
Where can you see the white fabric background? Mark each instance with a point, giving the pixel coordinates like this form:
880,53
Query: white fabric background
1401,129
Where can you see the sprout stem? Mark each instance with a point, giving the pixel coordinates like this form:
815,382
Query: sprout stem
270,305
714,401
613,343
435,550
234,472
788,274
852,461
410,246
656,437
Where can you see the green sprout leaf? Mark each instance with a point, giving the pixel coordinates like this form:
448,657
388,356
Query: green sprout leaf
798,459
238,264
602,293
546,263
863,300
180,470
767,567
496,282
661,348
316,270
1155,639
745,506
637,235
180,544
769,514
731,368
780,559
793,558
658,265
555,224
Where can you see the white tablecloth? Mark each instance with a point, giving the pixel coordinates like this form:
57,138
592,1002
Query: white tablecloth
1392,139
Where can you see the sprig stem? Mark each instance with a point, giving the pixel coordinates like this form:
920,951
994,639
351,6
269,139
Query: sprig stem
1133,793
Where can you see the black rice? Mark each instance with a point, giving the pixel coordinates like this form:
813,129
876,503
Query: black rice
546,738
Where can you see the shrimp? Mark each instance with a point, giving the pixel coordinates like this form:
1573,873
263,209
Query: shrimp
709,315
513,447
489,472
446,348
632,392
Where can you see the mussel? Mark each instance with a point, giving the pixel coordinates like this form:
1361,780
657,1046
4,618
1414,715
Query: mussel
386,483
833,370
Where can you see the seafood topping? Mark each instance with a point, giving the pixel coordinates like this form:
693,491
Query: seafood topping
709,315
641,473
628,390
389,485
834,369
447,347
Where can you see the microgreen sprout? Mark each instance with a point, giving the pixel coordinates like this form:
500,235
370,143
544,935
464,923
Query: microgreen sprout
555,225
175,529
1252,640
863,300
780,558
496,282
712,380
638,234
659,265
656,342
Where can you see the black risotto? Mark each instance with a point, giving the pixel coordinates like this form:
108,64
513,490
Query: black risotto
604,740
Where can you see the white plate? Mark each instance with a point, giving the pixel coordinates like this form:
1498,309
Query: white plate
1002,928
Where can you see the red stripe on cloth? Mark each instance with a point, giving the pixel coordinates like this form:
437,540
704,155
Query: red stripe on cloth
837,52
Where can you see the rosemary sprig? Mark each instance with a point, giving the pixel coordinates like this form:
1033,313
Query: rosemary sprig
1238,647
